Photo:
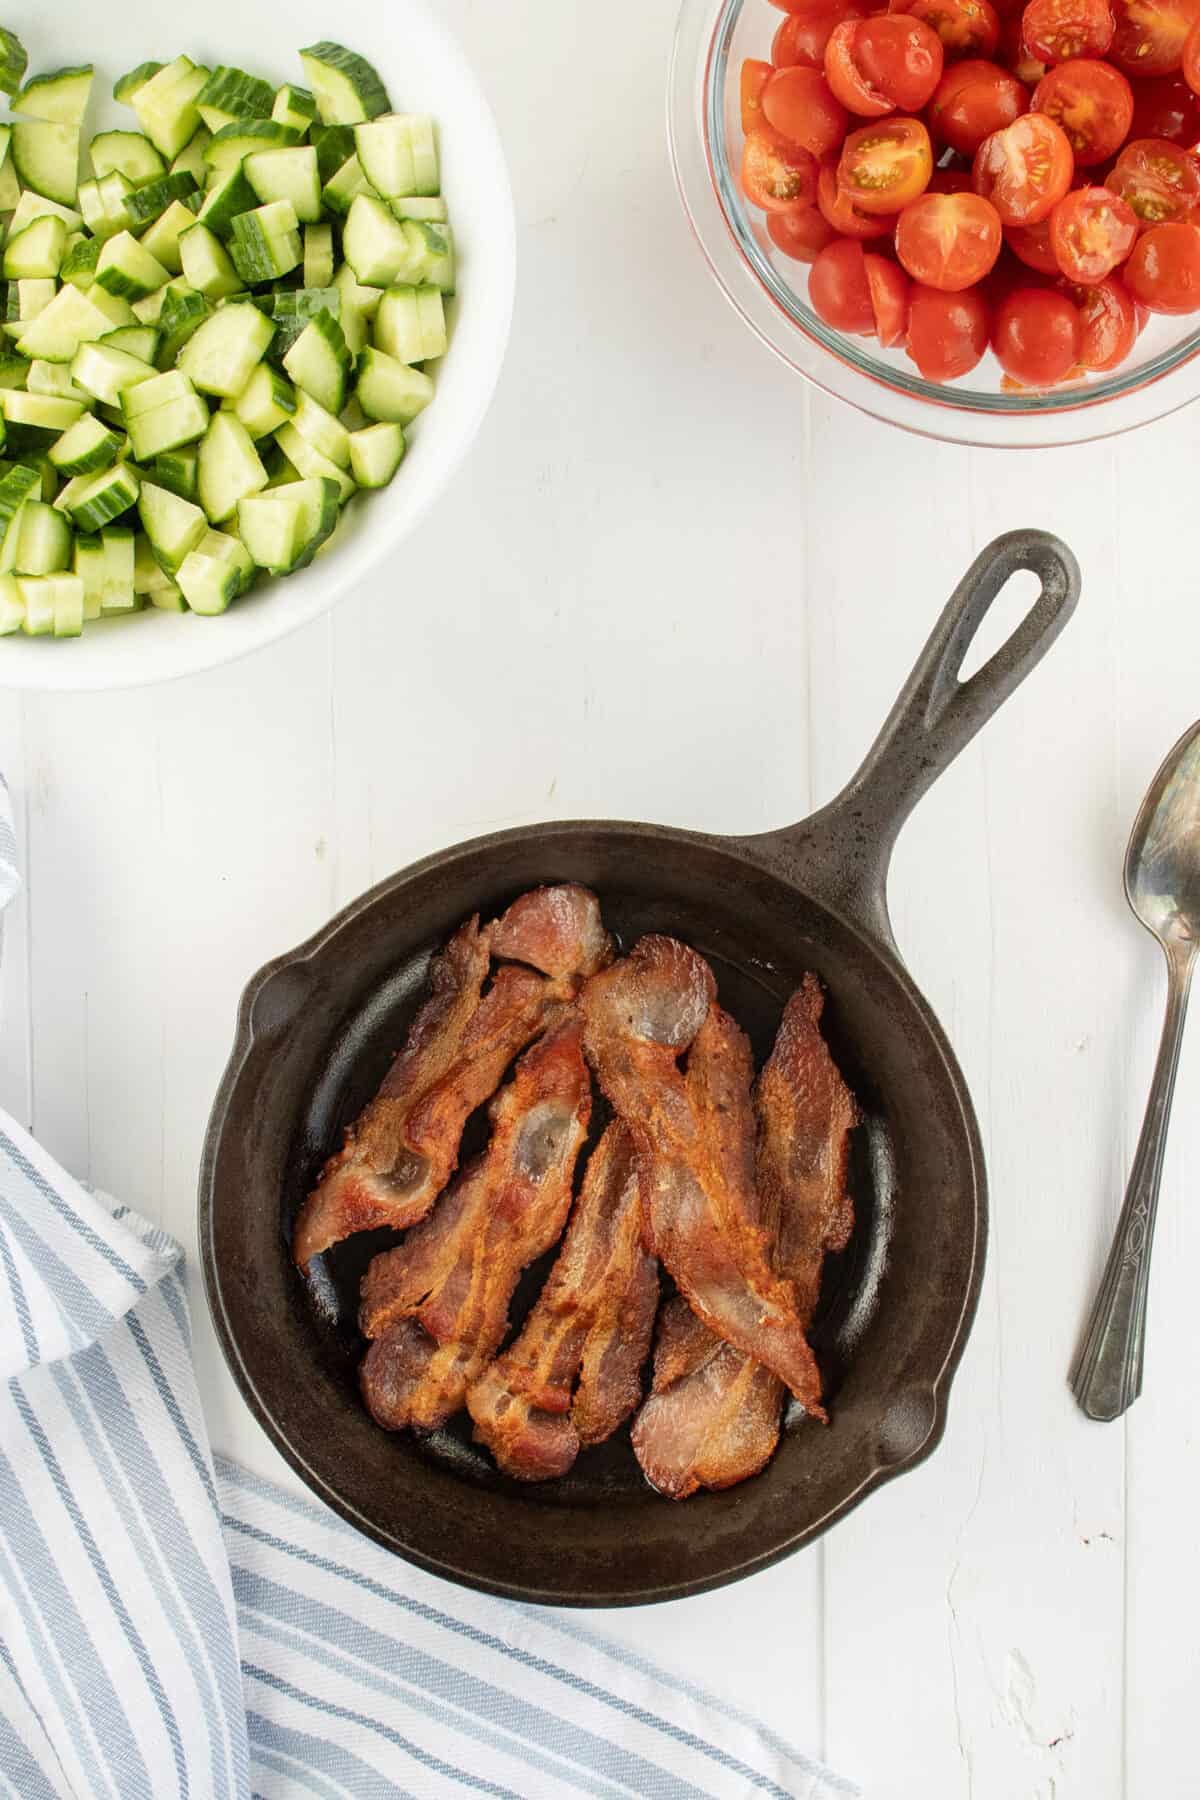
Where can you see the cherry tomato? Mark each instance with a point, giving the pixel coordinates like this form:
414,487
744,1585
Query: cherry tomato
798,103
883,64
776,173
1013,54
885,165
1091,233
838,208
1056,30
1031,243
1158,180
1191,58
966,27
1092,103
1036,335
1108,322
888,286
802,37
838,289
950,181
947,333
1164,271
801,232
755,76
973,99
1166,108
948,241
1150,34
793,6
1024,169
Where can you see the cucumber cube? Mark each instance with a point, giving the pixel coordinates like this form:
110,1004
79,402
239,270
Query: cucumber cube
36,252
127,268
376,452
221,357
103,497
267,401
172,525
390,390
229,468
215,572
206,267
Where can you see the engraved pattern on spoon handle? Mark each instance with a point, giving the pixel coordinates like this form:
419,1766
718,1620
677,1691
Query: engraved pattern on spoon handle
1107,1377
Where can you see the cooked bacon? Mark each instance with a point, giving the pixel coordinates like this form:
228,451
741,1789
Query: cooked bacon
437,1306
592,1320
400,1152
713,1415
695,1137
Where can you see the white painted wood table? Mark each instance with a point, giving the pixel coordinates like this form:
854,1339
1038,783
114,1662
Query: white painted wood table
671,583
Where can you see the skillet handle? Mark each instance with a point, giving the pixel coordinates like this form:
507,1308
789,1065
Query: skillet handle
846,848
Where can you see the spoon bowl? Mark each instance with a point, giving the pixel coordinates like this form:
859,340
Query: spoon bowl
1162,863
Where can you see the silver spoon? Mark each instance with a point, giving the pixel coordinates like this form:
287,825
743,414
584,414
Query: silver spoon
1162,885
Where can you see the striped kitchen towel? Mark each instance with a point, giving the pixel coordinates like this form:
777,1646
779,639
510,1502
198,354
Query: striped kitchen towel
172,1626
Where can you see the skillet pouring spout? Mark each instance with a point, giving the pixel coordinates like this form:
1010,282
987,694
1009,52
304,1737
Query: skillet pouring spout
842,853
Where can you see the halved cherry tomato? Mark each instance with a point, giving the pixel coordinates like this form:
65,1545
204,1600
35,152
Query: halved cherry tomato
889,286
966,27
1159,180
798,103
793,6
1166,108
1092,103
838,289
949,241
776,173
1151,34
802,37
1013,54
1164,271
972,100
1091,233
1036,336
800,233
947,333
1108,322
1056,30
1191,58
1024,169
884,166
842,214
1031,243
883,64
755,76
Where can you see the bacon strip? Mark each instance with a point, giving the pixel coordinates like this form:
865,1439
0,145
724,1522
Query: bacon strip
593,1319
713,1416
400,1152
437,1306
695,1136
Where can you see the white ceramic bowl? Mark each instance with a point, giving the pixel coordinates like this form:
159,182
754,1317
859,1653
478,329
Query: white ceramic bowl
424,71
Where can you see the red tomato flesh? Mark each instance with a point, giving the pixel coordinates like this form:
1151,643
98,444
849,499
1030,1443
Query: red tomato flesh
1031,243
838,208
755,76
1024,169
966,27
949,241
1054,31
776,173
1091,103
1160,181
889,298
1150,34
802,37
1091,234
1108,323
883,64
884,166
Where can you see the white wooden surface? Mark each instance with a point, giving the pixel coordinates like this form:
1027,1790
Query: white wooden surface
671,583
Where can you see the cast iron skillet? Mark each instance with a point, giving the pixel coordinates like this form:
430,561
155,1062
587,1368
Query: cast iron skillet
316,1030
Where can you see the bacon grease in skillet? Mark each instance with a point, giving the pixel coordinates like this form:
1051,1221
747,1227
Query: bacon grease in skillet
713,1415
695,1138
400,1152
437,1306
593,1320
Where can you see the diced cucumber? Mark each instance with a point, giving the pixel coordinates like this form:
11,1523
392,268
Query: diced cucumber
128,151
12,607
10,187
221,356
267,401
17,485
322,430
168,598
105,372
384,148
36,252
149,578
85,448
309,462
89,567
61,97
141,341
231,94
155,428
432,260
411,324
53,603
146,312
206,265
229,195
79,264
43,540
172,525
190,160
178,471
182,312
266,242
115,309
334,145
376,452
318,255
233,143
375,244
425,209
53,379
229,467
117,552
33,206
287,175
46,158
390,390
151,200
13,61
320,363
162,238
46,414
37,605
26,301
128,85
128,269
293,309
44,469
284,527
147,396
294,106
346,88
166,105
14,370
215,573
103,497
358,306
343,187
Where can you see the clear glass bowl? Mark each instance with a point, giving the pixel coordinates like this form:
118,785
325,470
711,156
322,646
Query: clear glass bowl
770,290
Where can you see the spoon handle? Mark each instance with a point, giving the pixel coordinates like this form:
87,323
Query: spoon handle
1107,1376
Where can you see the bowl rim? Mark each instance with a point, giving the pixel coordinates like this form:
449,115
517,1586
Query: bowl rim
708,191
